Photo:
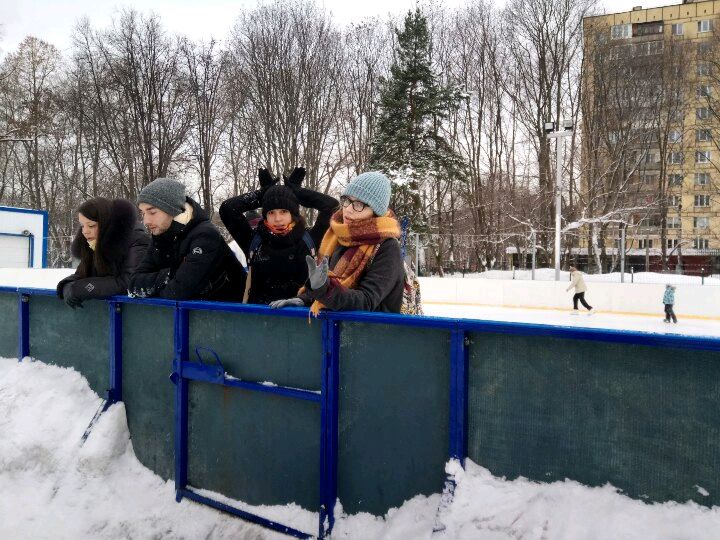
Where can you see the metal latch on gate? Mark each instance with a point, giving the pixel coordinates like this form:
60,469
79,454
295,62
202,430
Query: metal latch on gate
200,370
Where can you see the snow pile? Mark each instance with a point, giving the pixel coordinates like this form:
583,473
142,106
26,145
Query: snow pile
54,487
548,274
36,278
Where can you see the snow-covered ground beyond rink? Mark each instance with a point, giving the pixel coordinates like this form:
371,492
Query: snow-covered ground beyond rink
51,487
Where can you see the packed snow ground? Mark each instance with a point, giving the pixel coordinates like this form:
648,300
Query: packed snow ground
52,487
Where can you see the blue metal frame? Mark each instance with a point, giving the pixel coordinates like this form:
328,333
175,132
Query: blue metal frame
116,333
329,425
23,325
45,226
185,371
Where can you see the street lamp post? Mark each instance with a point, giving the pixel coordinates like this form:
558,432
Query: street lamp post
552,133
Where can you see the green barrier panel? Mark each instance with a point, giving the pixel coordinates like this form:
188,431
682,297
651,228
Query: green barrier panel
256,447
149,396
259,448
393,415
644,419
77,338
8,325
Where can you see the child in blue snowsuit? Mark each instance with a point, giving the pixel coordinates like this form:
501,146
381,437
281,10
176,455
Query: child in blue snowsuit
669,300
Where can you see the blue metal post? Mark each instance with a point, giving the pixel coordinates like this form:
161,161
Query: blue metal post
115,391
458,394
182,328
329,425
23,326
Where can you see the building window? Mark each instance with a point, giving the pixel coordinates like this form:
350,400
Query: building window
701,222
645,243
702,156
676,115
703,70
675,179
701,243
651,179
704,26
703,50
702,113
703,135
623,31
672,243
674,136
675,158
703,91
674,201
673,222
652,158
677,29
702,179
702,200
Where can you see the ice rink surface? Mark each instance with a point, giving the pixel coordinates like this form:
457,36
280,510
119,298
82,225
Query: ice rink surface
641,323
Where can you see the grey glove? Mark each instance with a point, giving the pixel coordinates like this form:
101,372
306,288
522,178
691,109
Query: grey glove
317,273
289,302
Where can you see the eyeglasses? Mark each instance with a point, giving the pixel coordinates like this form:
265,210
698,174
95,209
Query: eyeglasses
358,206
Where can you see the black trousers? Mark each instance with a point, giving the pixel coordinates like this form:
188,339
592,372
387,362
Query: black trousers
669,313
580,296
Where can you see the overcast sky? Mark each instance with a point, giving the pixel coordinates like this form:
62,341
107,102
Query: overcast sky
53,20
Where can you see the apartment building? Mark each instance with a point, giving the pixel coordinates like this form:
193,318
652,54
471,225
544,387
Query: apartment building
651,122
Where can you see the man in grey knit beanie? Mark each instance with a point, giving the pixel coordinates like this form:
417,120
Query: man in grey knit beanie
167,194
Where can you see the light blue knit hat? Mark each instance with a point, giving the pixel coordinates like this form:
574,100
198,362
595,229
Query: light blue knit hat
372,188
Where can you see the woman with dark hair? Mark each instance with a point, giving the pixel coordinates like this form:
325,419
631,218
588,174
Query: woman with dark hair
276,248
110,243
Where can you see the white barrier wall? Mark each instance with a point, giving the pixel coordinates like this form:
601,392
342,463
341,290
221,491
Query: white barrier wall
639,298
23,238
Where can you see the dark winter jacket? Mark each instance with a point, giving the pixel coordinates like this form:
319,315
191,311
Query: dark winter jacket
379,289
278,267
123,245
189,262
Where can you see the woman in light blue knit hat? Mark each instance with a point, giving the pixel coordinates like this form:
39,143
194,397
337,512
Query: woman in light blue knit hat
359,265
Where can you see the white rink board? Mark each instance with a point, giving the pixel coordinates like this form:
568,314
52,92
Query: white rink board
19,228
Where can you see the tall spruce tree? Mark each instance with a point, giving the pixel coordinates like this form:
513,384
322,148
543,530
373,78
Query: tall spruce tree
407,145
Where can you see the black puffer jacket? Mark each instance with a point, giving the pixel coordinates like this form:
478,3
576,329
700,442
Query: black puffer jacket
189,262
122,245
278,267
380,287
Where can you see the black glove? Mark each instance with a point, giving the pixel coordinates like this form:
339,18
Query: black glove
266,179
71,299
289,302
296,177
162,278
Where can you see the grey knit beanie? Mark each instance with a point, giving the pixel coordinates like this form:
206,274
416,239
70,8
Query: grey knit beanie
167,194
372,188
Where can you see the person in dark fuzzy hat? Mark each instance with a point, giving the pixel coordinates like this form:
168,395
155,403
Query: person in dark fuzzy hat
110,243
276,248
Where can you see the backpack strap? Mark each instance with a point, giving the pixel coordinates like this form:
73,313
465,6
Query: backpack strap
256,242
254,245
309,243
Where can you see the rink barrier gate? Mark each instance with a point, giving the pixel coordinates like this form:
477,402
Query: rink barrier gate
515,415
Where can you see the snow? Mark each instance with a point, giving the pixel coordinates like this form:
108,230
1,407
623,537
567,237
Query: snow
54,487
548,274
45,278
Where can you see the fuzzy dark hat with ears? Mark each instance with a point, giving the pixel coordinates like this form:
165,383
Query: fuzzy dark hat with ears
279,196
116,220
